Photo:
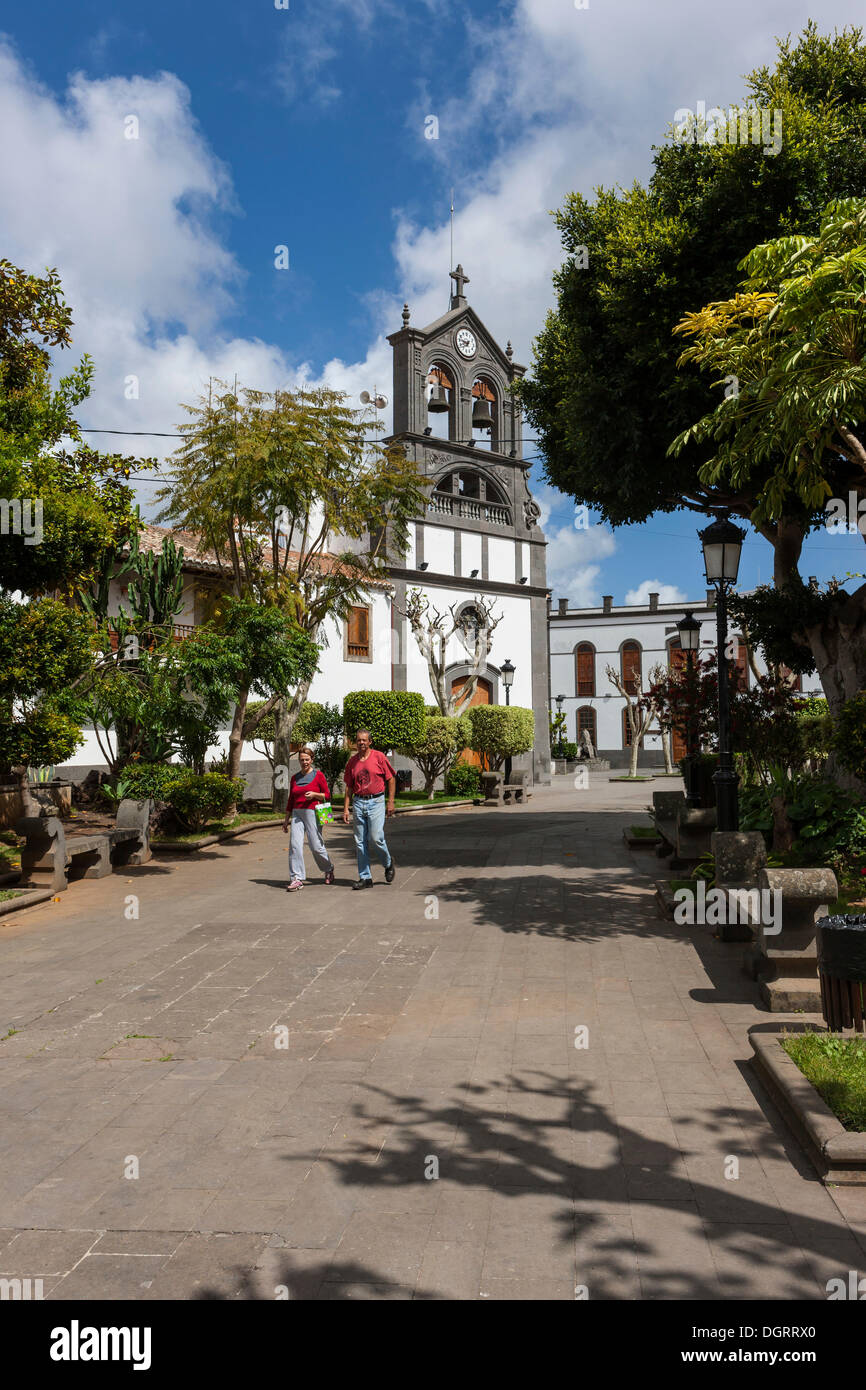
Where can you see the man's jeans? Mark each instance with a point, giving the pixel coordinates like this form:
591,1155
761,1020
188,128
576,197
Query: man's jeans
369,813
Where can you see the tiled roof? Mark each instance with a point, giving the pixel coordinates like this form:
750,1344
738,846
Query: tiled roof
204,560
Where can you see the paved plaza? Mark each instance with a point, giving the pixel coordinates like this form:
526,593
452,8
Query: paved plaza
246,1094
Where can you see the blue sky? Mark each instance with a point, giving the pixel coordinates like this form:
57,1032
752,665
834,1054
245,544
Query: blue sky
305,127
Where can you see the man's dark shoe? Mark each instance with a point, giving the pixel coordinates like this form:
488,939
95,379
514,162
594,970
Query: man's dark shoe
363,883
390,872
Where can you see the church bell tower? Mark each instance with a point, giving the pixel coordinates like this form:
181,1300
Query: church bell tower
455,415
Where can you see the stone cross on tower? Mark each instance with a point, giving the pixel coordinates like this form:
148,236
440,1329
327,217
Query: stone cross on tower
458,298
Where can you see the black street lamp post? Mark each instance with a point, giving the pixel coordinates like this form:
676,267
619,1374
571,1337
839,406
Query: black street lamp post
689,630
722,542
507,673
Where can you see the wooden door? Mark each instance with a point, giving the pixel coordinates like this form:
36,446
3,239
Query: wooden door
481,697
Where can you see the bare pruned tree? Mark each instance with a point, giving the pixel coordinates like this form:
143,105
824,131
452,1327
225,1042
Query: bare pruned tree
433,630
640,711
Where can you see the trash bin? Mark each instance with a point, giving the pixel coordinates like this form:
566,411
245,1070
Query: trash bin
404,782
841,944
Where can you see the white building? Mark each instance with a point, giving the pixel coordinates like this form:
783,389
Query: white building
633,639
477,545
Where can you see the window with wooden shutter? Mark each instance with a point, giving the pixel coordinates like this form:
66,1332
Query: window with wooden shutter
358,634
630,657
585,670
740,673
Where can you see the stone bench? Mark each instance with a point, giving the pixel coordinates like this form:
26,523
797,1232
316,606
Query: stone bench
497,791
740,856
785,956
695,826
666,809
51,859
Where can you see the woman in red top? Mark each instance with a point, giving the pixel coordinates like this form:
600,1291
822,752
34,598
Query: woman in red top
307,788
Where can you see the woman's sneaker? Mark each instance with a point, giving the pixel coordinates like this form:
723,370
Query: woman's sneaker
295,884
329,876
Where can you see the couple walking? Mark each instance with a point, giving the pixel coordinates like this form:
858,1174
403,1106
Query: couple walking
368,778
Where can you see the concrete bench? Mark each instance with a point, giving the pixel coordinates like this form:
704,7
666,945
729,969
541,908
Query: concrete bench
695,826
51,859
498,791
666,809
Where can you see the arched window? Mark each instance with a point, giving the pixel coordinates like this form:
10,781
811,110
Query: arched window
584,670
485,424
630,666
440,395
586,719
470,494
626,730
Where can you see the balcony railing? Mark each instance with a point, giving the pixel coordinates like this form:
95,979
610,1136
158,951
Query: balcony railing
471,508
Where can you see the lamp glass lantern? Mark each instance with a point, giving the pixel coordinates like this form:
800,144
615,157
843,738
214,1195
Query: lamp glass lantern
689,630
722,543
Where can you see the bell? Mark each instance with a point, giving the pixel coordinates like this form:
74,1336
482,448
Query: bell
482,416
438,402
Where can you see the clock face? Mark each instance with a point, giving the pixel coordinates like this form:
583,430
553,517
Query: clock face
466,343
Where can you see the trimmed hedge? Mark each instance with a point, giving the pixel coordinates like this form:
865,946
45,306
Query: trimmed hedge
501,731
395,718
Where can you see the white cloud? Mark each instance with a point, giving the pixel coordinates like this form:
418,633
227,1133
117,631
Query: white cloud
573,562
668,593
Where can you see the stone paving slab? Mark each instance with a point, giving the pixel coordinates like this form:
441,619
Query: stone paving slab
536,1087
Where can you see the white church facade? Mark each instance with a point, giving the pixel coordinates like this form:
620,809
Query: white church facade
478,548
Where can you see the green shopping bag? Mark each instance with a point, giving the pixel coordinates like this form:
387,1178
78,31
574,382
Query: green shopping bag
324,812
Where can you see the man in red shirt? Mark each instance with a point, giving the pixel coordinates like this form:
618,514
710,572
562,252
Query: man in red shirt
368,774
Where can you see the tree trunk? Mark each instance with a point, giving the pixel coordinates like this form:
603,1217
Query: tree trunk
666,749
839,648
285,718
236,744
635,747
29,805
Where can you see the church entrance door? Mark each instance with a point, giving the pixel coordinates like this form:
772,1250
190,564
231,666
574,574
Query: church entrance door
481,697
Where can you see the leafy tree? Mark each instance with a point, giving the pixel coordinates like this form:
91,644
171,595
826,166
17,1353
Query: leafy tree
795,337
60,512
500,732
44,649
607,395
302,509
442,740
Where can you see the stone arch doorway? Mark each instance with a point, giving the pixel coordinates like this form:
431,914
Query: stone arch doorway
483,696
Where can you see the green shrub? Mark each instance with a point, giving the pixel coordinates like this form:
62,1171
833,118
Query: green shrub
195,798
395,718
569,752
501,731
463,779
141,780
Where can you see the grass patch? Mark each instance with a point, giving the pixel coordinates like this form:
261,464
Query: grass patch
836,1068
420,798
689,884
643,832
6,894
10,853
629,779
